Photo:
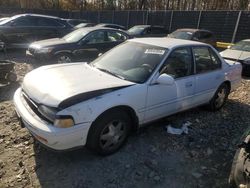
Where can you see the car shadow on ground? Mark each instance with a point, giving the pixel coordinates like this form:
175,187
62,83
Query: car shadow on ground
154,158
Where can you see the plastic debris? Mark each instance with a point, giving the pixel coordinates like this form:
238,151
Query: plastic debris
179,131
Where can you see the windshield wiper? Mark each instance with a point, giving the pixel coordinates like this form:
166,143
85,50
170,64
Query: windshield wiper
111,73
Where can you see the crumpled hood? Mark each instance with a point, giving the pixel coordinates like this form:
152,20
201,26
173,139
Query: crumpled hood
48,42
235,54
50,85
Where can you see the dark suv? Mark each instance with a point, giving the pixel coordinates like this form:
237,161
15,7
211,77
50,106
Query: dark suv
20,30
147,31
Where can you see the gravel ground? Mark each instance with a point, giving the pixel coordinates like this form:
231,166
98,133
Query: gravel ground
151,158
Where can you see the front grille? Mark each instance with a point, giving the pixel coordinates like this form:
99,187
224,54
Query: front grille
34,107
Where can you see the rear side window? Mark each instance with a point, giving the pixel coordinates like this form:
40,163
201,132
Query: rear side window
48,22
206,35
114,36
205,60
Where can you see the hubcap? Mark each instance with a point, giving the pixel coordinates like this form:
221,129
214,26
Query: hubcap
113,134
220,98
64,59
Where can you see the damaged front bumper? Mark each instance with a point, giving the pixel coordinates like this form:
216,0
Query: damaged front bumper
49,135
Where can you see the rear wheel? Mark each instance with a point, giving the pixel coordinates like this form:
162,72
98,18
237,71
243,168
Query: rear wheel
219,98
109,132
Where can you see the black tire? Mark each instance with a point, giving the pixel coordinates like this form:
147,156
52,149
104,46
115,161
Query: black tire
106,127
220,97
12,77
63,58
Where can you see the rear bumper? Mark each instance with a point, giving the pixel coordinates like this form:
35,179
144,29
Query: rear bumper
50,136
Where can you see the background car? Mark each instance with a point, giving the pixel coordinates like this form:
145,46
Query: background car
147,31
114,26
200,35
82,44
20,30
74,22
239,52
82,25
137,82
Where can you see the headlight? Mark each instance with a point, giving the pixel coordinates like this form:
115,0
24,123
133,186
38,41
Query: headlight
48,112
44,50
64,122
247,61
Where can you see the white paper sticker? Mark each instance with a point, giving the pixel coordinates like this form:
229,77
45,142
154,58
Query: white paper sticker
154,51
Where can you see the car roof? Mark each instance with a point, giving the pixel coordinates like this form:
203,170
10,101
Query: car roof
145,26
89,29
247,40
193,30
40,15
166,42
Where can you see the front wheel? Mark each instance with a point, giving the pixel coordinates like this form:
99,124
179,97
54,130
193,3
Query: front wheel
63,58
219,98
109,132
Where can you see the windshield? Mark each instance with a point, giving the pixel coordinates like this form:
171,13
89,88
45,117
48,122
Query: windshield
131,61
136,30
75,36
242,45
9,19
181,35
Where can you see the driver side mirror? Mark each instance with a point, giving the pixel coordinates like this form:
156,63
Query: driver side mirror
165,79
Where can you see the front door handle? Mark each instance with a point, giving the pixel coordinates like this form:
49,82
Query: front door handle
189,84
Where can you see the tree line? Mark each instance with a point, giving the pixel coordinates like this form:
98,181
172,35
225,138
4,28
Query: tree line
129,4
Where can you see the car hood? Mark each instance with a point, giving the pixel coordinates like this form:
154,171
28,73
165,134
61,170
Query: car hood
66,84
48,42
235,54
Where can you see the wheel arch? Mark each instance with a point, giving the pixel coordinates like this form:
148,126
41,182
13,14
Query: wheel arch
228,83
129,110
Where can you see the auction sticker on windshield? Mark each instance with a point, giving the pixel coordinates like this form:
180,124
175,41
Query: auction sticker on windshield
154,51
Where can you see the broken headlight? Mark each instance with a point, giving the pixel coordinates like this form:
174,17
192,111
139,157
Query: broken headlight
48,112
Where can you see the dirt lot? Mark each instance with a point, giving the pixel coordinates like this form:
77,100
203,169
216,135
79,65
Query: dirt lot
151,158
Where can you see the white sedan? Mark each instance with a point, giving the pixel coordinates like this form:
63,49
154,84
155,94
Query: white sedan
98,104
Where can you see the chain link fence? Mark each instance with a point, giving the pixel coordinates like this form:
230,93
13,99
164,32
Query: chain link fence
228,26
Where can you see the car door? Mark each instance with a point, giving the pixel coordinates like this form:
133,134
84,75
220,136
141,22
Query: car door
91,45
208,73
163,100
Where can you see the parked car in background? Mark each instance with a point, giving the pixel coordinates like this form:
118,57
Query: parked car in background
239,52
114,26
147,31
200,35
80,45
74,22
82,25
137,82
20,30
